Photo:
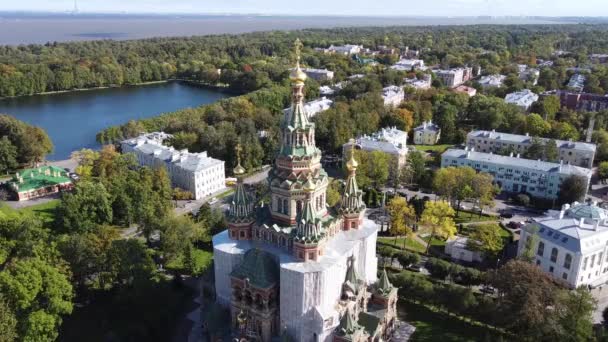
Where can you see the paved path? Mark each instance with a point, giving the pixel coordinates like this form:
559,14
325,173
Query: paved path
403,332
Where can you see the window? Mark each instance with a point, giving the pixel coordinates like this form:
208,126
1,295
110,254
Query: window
551,269
541,248
565,276
537,262
599,258
585,263
567,261
553,254
592,261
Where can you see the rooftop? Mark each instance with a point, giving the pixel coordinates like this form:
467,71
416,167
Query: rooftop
38,178
580,227
538,165
522,98
526,139
389,140
427,126
492,80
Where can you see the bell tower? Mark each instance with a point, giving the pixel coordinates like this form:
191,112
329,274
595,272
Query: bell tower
298,160
241,215
352,206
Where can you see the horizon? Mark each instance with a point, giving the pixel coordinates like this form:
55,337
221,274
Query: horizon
342,8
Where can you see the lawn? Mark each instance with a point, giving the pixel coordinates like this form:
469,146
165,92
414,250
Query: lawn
45,211
439,326
410,244
467,216
434,148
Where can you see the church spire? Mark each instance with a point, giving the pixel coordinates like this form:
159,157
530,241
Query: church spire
352,198
348,325
241,206
384,285
308,226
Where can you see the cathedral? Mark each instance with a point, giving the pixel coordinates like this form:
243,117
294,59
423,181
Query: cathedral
296,269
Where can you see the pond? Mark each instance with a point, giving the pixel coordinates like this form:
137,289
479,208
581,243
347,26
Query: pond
73,119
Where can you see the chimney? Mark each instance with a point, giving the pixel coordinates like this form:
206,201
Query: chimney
527,134
581,222
596,224
511,154
472,149
517,155
561,214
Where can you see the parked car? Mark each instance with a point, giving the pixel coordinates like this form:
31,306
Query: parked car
414,268
506,215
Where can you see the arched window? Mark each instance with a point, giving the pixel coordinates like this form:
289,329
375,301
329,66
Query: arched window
541,248
279,205
285,206
299,208
553,254
567,261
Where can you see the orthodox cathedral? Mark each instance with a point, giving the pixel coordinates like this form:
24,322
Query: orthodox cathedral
295,268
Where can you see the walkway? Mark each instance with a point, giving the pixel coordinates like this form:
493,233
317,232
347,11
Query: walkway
403,332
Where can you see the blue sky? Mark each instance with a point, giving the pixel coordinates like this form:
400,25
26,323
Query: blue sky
326,7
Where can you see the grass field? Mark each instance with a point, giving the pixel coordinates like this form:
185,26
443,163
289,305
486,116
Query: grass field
45,211
434,148
466,217
410,244
439,326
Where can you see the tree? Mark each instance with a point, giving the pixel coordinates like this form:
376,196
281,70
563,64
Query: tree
129,262
85,208
402,216
8,155
178,233
525,296
572,189
437,220
602,171
536,125
333,193
373,168
575,314
486,238
543,150
8,322
415,168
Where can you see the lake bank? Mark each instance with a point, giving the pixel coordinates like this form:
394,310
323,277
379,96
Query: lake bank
72,119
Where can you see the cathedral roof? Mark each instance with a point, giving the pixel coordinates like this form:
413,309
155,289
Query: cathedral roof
384,285
348,325
351,273
259,267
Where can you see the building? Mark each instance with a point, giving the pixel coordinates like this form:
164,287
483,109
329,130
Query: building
326,91
457,247
572,152
491,81
294,267
405,64
512,174
314,107
39,182
570,244
427,134
347,49
388,140
600,58
393,95
454,77
319,74
424,83
528,74
194,172
467,90
522,99
577,82
583,101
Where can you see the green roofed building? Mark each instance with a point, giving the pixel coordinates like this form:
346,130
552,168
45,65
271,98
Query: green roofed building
39,182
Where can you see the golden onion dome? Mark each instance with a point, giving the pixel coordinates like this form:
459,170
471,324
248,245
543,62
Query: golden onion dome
352,164
239,170
297,75
309,186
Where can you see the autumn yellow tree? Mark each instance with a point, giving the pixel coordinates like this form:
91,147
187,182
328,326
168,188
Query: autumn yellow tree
402,217
437,219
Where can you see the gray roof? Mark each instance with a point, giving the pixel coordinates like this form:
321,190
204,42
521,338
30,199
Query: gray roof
427,126
526,139
539,165
570,232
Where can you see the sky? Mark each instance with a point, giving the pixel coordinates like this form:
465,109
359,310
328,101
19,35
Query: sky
326,7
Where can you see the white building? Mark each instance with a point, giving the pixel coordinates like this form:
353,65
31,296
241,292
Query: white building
454,77
405,64
393,95
347,49
492,81
314,107
528,74
424,83
572,152
517,175
326,90
319,74
522,99
577,82
388,140
194,172
571,244
457,248
427,134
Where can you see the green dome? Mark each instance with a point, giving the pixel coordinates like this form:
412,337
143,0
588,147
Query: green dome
586,211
